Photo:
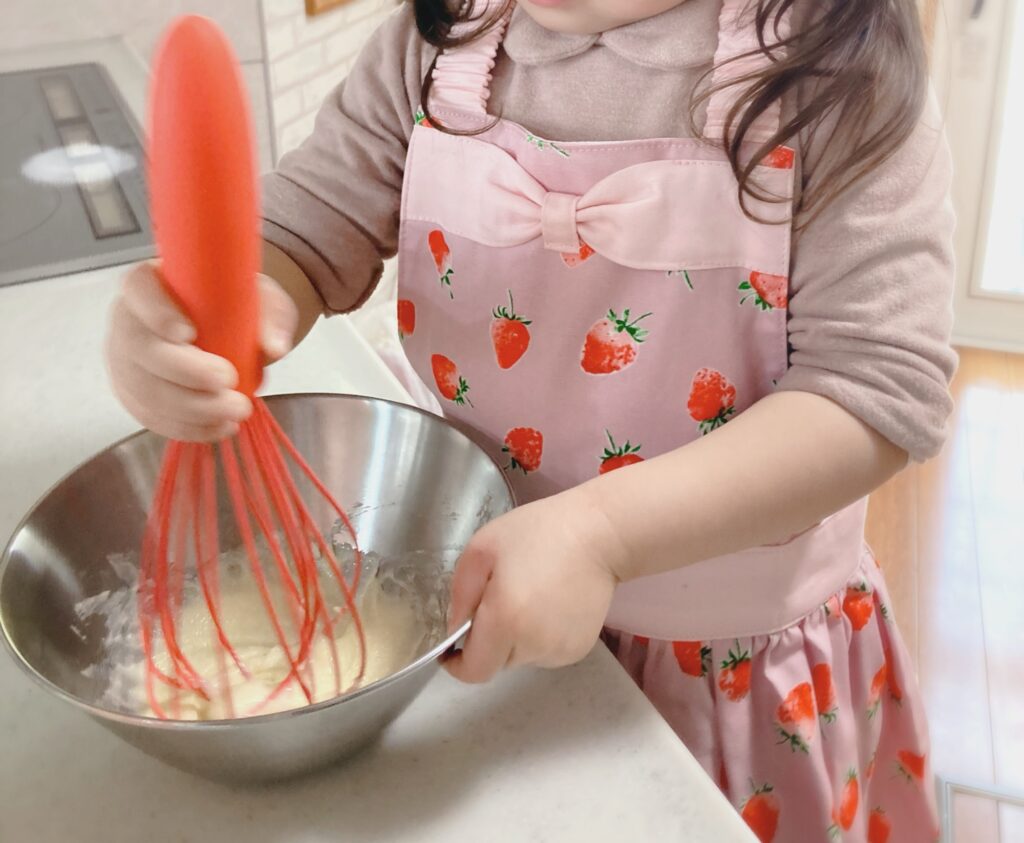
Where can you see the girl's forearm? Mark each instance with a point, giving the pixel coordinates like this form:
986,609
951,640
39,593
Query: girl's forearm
294,282
782,466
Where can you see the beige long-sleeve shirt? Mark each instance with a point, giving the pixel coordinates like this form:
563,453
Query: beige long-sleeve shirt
871,278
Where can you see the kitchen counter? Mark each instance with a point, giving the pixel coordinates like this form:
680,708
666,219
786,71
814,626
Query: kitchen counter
570,755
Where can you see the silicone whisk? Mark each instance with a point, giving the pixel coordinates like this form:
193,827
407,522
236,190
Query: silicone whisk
204,202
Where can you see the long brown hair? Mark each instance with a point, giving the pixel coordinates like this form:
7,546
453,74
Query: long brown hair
865,61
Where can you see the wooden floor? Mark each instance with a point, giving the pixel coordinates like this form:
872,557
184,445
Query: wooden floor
950,535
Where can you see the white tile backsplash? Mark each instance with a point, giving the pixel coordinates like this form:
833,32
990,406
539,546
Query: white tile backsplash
308,57
280,38
298,66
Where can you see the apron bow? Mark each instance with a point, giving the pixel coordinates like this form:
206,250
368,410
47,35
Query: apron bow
661,215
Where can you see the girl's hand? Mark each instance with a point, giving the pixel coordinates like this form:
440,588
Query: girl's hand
165,382
538,583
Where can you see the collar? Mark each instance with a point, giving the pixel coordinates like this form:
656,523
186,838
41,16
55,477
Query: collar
684,36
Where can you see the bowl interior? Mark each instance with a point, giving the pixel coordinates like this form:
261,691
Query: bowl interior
409,481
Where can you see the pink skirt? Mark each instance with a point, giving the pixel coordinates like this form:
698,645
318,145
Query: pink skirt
814,733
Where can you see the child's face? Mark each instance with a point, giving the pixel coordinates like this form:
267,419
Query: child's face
592,16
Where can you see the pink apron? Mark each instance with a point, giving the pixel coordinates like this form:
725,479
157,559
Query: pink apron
579,307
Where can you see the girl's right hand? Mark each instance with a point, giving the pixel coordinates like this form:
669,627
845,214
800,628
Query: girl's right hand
165,382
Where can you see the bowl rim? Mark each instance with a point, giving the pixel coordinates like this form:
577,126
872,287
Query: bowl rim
448,645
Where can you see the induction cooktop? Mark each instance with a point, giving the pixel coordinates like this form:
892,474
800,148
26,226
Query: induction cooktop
72,175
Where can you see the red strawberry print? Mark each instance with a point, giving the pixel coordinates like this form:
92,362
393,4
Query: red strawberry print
574,259
442,259
847,813
767,291
406,318
694,657
857,605
524,445
723,776
795,717
734,678
869,773
509,334
642,640
612,343
761,813
780,158
450,383
616,456
895,692
824,691
910,765
712,399
420,117
832,606
879,827
875,692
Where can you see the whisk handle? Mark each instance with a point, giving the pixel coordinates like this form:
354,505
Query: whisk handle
203,191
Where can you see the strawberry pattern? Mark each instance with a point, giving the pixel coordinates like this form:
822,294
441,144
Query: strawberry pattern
450,384
566,366
524,446
734,678
510,334
824,692
777,745
712,400
619,456
796,718
693,657
612,343
766,291
760,811
406,318
442,256
574,259
846,812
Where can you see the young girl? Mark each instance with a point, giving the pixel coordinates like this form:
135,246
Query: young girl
684,269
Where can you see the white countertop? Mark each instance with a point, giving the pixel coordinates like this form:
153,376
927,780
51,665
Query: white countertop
571,755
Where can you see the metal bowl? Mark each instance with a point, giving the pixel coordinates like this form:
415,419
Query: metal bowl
413,483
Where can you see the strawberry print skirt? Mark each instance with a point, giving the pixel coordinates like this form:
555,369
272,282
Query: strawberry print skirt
815,733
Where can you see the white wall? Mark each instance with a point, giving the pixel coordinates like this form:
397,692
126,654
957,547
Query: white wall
307,57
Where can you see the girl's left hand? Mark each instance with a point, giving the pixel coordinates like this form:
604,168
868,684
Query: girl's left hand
538,583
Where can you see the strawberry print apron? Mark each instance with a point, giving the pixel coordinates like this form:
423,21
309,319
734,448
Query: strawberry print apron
577,308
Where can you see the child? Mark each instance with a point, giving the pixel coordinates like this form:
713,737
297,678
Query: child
694,350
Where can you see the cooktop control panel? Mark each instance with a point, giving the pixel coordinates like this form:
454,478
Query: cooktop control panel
72,175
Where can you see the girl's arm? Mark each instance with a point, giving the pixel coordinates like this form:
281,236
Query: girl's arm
780,467
289,277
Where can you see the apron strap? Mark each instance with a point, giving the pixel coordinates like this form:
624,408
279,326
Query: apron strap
462,75
737,36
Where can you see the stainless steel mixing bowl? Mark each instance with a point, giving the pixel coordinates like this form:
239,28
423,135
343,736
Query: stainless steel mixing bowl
413,483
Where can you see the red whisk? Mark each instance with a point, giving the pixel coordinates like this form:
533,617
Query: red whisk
202,176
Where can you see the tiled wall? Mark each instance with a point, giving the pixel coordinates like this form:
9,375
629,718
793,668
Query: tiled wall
307,57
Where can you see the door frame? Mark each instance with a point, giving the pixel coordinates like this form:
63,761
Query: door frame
971,52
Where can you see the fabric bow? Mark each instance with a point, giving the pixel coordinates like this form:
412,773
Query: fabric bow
659,215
